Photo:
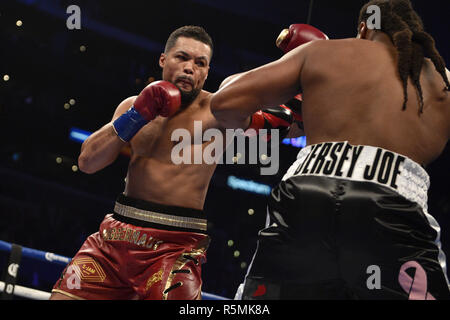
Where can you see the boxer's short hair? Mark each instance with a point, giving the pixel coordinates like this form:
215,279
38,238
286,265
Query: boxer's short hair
193,32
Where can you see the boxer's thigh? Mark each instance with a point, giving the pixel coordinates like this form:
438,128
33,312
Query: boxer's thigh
175,277
387,246
94,273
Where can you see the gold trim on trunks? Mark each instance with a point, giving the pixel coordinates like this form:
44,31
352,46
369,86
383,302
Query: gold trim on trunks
178,265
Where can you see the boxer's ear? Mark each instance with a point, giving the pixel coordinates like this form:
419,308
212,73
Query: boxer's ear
362,30
162,60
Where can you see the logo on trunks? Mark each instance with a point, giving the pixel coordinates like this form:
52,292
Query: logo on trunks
131,236
156,277
88,270
340,160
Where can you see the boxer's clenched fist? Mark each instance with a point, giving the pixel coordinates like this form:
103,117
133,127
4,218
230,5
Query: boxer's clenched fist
279,118
158,98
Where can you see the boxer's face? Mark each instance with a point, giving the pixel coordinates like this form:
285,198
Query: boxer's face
186,65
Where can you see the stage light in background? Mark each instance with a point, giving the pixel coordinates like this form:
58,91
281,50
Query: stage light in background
78,135
59,160
236,254
6,77
251,212
299,142
66,106
19,23
230,243
74,168
248,185
83,48
72,102
243,265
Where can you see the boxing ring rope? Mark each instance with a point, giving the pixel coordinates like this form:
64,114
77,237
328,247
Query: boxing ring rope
50,257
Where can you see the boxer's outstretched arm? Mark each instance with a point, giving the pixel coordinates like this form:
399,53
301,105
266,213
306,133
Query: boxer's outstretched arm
267,86
103,147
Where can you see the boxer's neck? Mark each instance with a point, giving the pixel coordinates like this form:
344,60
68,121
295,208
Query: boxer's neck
382,38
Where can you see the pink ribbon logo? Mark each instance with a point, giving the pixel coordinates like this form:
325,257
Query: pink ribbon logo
416,287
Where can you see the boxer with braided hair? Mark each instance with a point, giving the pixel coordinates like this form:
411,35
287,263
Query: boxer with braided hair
350,220
406,30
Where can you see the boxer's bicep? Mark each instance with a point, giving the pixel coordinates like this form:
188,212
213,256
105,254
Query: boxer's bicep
102,147
229,79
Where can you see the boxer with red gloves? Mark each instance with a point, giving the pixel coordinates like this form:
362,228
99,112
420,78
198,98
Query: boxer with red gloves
158,98
356,196
279,118
153,244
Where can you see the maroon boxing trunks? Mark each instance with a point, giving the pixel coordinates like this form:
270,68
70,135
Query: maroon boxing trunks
142,251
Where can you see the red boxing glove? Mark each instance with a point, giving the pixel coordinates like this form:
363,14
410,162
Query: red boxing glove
295,107
271,118
298,34
158,98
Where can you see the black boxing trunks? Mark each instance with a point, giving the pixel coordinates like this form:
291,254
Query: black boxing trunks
142,251
349,222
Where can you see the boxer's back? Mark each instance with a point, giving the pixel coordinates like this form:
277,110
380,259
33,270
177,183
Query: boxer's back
352,92
153,175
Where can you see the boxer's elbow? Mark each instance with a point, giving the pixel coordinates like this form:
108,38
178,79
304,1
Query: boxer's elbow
90,163
85,164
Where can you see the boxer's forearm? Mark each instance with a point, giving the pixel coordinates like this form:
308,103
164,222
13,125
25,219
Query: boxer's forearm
263,87
100,150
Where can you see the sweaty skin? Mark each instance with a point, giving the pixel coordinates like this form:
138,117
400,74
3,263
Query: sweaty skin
152,176
351,92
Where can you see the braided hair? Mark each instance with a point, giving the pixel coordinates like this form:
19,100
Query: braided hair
406,30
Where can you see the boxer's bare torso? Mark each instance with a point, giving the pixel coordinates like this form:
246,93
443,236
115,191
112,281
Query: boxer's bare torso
152,175
351,92
355,95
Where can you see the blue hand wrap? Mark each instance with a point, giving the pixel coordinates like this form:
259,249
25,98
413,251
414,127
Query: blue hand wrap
128,124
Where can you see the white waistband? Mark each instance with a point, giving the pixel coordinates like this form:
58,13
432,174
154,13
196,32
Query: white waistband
364,163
